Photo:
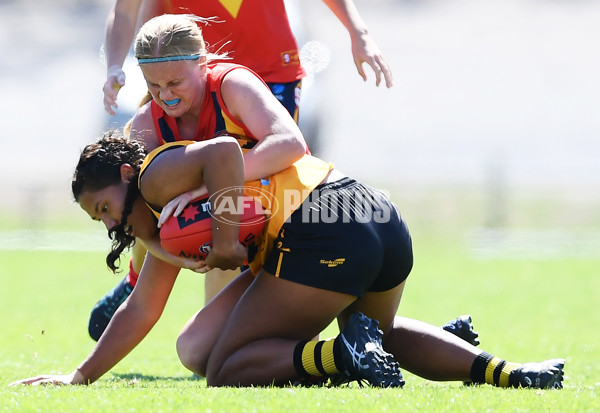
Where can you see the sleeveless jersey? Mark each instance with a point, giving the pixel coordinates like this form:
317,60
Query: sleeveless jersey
214,119
253,33
281,194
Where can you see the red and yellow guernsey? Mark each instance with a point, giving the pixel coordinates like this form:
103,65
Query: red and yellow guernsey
214,118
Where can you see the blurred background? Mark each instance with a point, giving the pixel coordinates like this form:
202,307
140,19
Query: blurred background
491,133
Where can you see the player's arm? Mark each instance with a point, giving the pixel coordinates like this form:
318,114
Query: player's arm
216,163
120,30
364,48
155,248
134,318
130,324
142,128
280,142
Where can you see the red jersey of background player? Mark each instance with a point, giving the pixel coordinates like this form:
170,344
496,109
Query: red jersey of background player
262,38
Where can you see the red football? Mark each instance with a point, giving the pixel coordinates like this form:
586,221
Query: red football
190,234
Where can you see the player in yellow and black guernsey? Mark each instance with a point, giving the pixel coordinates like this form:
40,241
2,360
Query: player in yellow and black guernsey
341,248
338,235
339,251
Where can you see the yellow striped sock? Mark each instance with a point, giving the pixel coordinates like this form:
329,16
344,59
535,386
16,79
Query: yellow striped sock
308,358
327,359
489,370
505,373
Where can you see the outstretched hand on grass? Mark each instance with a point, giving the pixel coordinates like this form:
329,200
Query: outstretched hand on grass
55,379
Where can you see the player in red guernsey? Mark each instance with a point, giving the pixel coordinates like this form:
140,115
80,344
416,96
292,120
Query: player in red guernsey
309,268
255,33
214,119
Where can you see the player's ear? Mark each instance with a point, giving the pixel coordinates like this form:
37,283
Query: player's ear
127,172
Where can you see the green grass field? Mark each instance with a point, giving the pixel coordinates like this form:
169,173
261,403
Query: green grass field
526,307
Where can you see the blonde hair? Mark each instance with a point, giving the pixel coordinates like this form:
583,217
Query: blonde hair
171,35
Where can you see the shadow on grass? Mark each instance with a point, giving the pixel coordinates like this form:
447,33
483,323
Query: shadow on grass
150,378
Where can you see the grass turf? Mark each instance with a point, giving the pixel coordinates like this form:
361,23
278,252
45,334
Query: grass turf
525,309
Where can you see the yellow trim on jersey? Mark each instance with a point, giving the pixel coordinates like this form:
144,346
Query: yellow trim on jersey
279,264
232,6
231,126
301,178
151,156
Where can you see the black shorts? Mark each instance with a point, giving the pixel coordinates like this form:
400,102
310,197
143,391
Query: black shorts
345,237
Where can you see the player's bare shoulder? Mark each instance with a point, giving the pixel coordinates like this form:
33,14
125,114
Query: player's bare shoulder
243,91
142,127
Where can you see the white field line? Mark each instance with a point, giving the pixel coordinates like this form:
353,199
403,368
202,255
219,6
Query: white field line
483,243
486,243
28,240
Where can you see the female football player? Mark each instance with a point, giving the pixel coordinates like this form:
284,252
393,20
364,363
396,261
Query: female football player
335,249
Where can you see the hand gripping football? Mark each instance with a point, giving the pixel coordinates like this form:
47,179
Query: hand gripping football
190,234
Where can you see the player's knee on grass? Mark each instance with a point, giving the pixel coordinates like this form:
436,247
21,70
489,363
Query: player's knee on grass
192,354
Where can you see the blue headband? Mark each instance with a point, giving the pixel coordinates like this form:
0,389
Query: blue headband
169,58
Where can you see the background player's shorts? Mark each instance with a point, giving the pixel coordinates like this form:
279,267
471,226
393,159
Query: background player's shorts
345,237
289,95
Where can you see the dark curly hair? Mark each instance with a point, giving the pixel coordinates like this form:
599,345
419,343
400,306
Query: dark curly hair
99,167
